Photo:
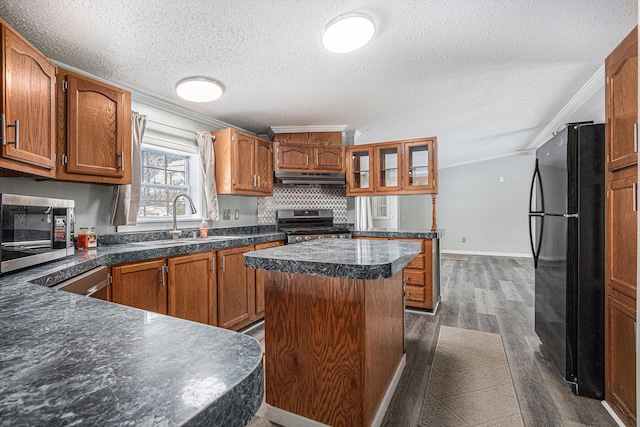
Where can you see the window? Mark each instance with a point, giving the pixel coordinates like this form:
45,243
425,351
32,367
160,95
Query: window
166,173
380,207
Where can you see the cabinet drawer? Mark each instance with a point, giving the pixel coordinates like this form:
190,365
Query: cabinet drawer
417,263
414,277
415,293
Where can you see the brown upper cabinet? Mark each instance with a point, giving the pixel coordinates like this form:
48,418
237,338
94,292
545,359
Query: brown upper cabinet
309,151
27,90
94,130
397,167
621,105
244,163
310,138
295,157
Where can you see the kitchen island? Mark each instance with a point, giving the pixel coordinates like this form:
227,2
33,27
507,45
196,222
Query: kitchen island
334,329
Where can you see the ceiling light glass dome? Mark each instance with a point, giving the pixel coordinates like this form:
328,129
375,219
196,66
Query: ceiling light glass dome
348,32
199,89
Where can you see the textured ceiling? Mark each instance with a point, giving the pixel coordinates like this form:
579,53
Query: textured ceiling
484,76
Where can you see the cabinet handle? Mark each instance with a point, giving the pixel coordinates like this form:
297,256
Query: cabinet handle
635,137
258,181
223,263
307,161
316,160
635,197
3,133
213,264
254,180
16,126
122,160
163,271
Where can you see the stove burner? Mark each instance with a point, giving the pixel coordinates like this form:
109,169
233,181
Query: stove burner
309,224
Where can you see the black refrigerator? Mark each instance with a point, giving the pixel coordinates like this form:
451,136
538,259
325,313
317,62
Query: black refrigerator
566,228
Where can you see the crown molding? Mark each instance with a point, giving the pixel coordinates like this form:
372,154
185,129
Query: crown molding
156,102
312,128
593,85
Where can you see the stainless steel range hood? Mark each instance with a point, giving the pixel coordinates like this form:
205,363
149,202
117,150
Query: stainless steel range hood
309,178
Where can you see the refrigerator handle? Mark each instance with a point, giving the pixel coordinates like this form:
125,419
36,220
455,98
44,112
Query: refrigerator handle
536,176
535,251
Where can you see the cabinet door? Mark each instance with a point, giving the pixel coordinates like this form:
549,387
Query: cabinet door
418,171
97,141
388,162
622,232
359,164
621,104
293,157
28,106
260,275
244,163
264,162
192,290
621,356
141,285
236,288
328,159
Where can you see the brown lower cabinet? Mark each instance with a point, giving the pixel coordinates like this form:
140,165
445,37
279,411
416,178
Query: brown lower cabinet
240,289
192,287
141,285
207,287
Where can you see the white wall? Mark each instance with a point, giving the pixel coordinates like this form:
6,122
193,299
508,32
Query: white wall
489,214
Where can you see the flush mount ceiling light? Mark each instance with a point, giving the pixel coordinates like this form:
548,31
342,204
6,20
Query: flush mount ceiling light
348,32
199,89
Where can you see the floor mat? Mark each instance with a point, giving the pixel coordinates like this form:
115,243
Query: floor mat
470,382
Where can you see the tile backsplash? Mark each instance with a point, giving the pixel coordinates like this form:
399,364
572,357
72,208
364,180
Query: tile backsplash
303,197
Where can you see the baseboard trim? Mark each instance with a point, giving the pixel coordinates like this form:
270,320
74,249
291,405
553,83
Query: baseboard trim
289,419
509,254
386,400
613,414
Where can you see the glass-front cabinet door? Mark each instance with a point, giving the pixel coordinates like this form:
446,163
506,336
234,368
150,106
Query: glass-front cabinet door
359,178
388,165
420,166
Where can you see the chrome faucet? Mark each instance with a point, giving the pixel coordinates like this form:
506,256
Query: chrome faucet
175,233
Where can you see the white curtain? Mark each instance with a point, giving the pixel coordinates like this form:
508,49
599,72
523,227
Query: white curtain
364,213
207,157
127,197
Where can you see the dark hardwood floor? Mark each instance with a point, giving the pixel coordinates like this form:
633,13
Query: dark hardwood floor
492,294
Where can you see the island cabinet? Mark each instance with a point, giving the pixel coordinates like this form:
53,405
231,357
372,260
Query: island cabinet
94,130
396,167
244,163
621,227
27,116
260,278
141,285
334,329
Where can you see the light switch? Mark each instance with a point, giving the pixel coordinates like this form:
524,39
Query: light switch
236,214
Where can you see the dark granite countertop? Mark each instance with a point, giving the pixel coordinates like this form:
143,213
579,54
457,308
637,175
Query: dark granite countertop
406,234
67,359
348,258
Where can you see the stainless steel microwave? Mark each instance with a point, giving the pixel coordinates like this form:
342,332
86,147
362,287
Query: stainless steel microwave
34,230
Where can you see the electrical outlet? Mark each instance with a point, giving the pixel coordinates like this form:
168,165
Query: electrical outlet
236,214
226,214
464,239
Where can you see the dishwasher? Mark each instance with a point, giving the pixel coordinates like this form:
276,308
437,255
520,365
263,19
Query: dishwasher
94,283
